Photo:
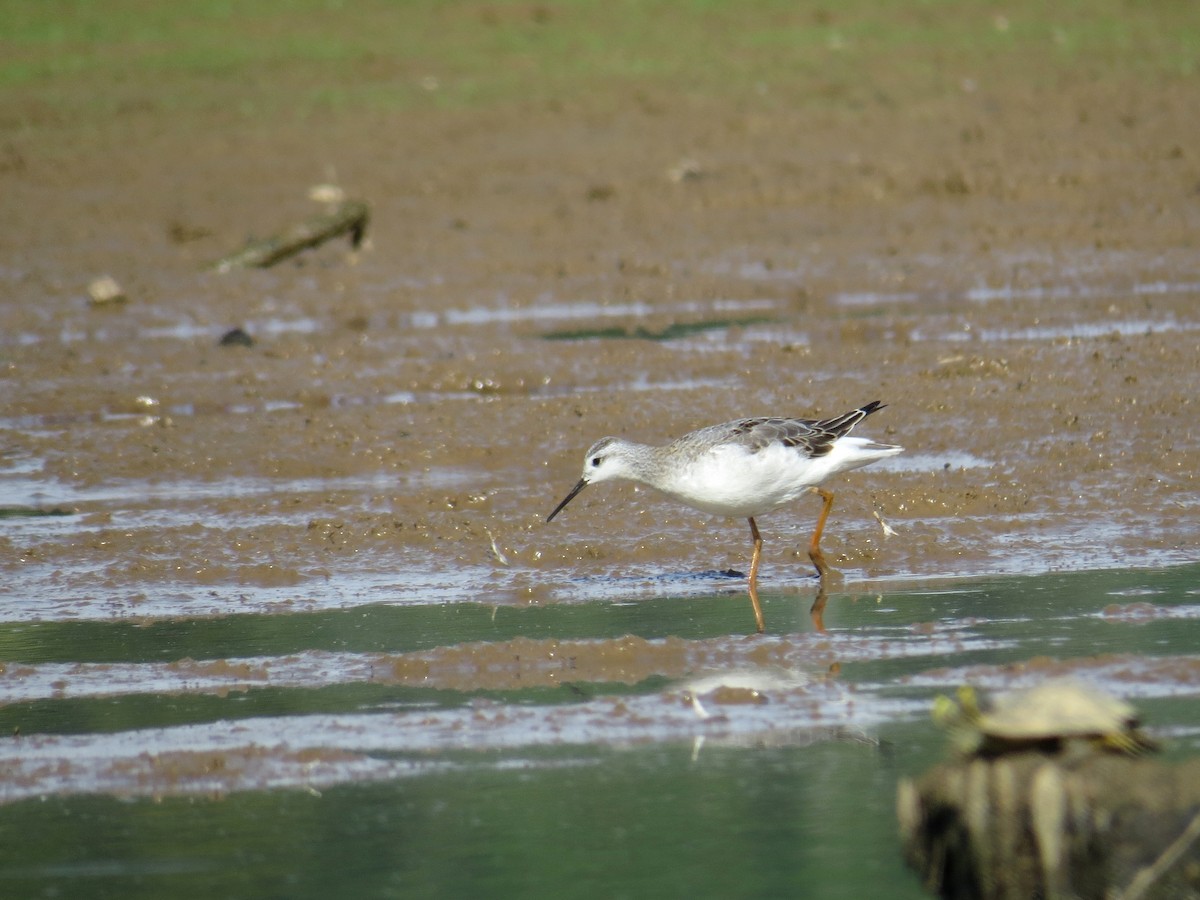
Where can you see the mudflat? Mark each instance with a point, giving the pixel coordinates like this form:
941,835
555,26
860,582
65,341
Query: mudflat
986,221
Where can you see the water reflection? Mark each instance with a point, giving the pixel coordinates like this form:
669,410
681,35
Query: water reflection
612,748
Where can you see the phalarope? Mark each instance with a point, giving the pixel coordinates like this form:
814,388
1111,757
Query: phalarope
744,468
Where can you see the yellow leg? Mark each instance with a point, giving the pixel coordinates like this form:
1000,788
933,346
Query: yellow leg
759,622
817,613
814,547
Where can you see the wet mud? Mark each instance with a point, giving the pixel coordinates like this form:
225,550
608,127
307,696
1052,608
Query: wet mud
404,410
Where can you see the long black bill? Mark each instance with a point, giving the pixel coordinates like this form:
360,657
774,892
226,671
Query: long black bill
567,499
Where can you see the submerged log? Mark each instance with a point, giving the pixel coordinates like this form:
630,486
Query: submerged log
1031,825
350,217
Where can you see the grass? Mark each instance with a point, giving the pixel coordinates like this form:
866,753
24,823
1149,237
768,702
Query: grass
403,53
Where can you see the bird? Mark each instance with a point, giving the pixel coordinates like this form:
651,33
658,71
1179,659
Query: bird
744,468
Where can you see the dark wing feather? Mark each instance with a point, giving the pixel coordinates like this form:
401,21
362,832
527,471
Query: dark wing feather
813,437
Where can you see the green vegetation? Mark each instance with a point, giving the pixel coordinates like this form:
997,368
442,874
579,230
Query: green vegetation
671,332
26,512
262,55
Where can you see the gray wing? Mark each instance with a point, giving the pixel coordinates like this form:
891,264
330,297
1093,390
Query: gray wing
812,437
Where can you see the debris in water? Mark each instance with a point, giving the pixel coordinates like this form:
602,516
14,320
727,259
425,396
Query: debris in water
105,290
888,530
236,337
496,551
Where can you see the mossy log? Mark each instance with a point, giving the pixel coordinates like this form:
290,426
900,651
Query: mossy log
1030,825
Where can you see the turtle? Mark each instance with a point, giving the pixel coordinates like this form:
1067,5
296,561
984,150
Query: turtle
1052,718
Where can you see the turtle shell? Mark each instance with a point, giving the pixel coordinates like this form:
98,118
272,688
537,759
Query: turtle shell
1056,709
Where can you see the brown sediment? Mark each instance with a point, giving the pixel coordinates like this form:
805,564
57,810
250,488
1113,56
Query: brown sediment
1008,268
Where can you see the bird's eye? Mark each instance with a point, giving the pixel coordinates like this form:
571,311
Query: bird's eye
596,461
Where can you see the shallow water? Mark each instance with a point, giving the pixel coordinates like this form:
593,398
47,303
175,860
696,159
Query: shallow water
566,750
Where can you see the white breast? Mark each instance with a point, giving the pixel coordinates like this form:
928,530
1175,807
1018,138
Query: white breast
727,480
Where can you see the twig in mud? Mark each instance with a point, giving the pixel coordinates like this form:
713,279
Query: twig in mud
350,217
496,551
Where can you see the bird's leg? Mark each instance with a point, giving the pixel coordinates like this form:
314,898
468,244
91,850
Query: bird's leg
814,547
817,612
759,622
